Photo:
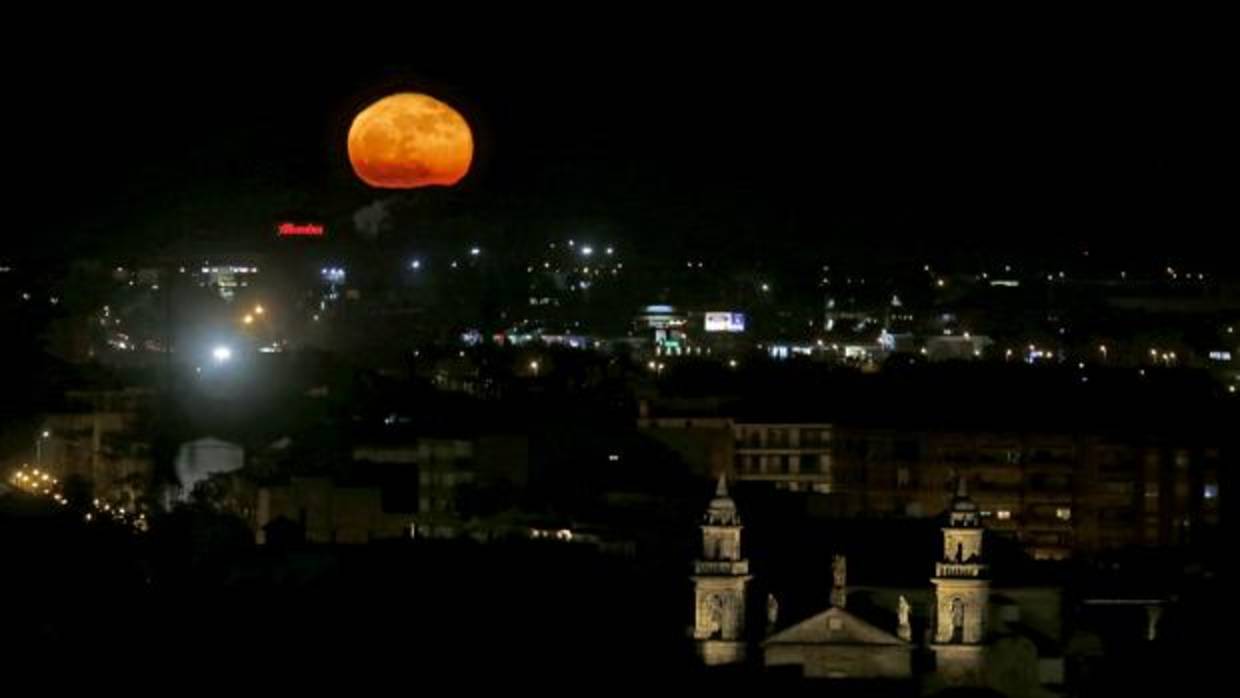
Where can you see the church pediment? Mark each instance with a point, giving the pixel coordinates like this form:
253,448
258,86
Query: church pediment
834,626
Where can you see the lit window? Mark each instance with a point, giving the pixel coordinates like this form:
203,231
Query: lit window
1003,514
1063,513
1210,492
902,477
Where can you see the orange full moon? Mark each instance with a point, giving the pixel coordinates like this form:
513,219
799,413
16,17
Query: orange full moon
409,140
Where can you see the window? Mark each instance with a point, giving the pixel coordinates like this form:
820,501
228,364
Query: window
1063,513
906,450
777,438
902,477
1003,514
1210,491
809,464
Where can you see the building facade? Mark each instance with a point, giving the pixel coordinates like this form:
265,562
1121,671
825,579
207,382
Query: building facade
1058,493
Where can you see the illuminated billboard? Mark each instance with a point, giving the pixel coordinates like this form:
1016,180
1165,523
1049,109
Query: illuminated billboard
300,230
725,322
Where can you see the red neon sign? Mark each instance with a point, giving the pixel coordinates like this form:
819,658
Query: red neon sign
300,230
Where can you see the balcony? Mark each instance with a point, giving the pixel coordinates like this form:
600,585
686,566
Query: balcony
960,569
721,567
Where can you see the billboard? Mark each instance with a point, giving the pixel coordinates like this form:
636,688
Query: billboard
725,322
289,229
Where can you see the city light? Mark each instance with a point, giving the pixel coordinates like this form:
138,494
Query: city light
221,354
587,250
475,251
258,310
415,264
248,319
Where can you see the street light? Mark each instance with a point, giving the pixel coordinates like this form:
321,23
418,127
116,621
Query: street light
38,447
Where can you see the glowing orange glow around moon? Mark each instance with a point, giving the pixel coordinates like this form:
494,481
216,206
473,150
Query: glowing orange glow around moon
410,140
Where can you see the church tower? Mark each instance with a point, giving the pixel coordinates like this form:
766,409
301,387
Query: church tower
962,595
720,577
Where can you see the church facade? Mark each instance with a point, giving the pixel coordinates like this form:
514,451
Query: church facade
951,633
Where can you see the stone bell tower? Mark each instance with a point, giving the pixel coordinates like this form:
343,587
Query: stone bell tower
720,577
962,595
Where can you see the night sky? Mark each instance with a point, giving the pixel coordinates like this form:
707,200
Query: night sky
943,146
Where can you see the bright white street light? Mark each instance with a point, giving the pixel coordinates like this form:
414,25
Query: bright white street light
221,354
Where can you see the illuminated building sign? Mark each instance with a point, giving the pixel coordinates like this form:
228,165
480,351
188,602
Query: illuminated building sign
287,230
725,322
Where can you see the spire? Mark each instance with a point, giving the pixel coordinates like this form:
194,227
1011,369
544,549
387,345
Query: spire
839,581
962,487
722,510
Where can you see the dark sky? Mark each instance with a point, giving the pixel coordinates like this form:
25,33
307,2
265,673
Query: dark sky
938,144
